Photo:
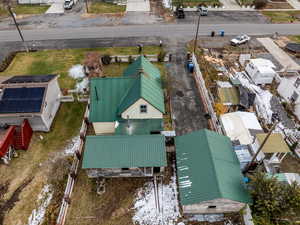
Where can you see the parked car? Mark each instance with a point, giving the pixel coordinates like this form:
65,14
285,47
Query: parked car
202,10
179,13
68,4
241,39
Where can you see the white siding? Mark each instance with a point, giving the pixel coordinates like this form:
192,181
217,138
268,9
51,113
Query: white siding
258,77
286,89
133,112
104,128
222,206
51,103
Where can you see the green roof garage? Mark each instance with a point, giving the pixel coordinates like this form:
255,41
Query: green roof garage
209,176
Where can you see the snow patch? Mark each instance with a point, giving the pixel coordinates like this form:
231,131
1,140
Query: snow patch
44,198
145,207
76,71
72,146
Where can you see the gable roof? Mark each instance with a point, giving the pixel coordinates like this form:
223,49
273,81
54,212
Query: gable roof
105,97
142,65
147,89
109,97
208,168
122,151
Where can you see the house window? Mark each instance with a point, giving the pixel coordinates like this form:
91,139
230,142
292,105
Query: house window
294,97
297,83
143,108
212,207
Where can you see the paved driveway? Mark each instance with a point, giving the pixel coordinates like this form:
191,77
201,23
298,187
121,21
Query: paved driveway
187,109
56,8
230,4
138,6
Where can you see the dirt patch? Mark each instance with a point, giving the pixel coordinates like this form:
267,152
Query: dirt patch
159,10
7,205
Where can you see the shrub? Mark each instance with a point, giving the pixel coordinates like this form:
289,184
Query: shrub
259,4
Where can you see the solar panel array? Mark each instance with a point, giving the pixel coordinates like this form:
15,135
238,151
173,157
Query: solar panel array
29,79
22,100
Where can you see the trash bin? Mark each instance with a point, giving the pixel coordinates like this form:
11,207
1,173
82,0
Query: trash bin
190,66
222,33
212,34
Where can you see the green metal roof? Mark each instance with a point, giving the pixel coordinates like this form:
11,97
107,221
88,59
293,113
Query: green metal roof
139,126
147,89
105,97
122,151
142,65
208,168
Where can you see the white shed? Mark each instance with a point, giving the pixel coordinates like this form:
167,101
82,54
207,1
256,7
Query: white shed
261,71
240,126
35,98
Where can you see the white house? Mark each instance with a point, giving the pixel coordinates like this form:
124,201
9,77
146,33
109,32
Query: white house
126,104
289,89
261,71
35,98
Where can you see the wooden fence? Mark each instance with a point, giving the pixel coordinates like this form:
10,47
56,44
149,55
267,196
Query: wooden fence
205,97
66,201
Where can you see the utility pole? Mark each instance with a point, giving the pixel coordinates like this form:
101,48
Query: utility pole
196,38
86,6
17,26
246,169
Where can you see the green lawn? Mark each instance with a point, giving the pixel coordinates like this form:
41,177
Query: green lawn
295,38
281,16
192,3
103,7
25,9
60,61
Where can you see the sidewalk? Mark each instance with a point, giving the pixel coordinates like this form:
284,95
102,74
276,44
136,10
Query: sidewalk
282,57
138,6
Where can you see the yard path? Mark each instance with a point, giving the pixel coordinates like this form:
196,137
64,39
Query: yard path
230,4
138,6
294,3
282,57
187,108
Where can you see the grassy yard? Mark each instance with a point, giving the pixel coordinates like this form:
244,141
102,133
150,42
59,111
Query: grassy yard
39,161
295,38
192,3
103,7
25,9
60,61
282,16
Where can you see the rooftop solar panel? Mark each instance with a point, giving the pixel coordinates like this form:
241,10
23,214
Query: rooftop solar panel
29,79
22,100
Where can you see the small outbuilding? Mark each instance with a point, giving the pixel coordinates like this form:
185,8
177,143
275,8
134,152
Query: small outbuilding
209,175
124,156
240,126
261,71
35,98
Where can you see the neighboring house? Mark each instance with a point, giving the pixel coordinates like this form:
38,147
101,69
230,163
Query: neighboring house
209,175
124,156
240,126
289,89
128,101
261,71
35,98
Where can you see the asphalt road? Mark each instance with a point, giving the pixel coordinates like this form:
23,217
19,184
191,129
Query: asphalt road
155,30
